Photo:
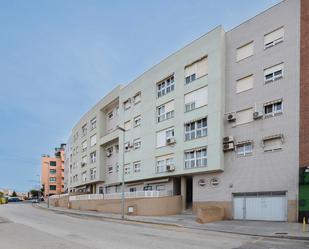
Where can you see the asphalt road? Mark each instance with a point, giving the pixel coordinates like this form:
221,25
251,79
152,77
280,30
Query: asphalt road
23,226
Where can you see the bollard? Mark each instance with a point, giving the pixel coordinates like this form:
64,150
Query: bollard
304,225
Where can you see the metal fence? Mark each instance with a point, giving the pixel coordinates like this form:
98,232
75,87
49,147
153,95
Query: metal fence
117,196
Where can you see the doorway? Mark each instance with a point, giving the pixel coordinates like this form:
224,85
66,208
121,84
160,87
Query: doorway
189,192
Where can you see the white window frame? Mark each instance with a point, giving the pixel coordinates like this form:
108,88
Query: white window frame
93,123
137,120
137,98
274,105
84,130
137,143
275,75
127,169
93,140
166,86
162,115
127,104
244,149
276,41
193,157
137,166
197,132
161,164
93,157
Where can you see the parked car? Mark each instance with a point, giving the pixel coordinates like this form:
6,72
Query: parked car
14,199
35,200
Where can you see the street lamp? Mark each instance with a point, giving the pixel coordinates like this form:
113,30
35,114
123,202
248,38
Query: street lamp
122,182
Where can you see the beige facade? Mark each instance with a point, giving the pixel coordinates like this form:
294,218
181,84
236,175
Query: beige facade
216,122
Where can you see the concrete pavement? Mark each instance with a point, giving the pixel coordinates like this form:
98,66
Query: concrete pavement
252,228
26,227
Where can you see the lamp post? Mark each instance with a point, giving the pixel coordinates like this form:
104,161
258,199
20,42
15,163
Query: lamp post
39,189
122,182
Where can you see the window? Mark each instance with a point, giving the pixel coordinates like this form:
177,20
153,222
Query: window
84,145
137,143
196,70
117,110
53,163
244,84
163,161
84,176
128,125
117,167
93,123
101,190
137,98
93,140
127,169
273,143
117,148
108,189
84,129
110,115
127,104
52,171
273,108
196,129
273,73
110,169
196,158
147,188
93,157
137,167
244,149
165,112
132,189
52,179
84,161
52,187
163,135
244,116
244,51
160,187
137,121
166,86
196,99
273,38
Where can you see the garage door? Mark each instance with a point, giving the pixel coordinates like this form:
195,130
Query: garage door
270,206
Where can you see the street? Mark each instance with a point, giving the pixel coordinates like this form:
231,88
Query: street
23,226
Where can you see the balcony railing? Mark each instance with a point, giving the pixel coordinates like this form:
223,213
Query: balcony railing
117,196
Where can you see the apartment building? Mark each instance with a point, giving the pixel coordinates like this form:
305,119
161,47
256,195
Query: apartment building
222,122
52,172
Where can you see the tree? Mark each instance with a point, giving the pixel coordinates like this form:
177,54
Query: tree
14,194
34,193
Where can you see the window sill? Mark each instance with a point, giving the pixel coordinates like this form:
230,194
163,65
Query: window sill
266,116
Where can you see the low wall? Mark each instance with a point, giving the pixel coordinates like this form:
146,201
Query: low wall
142,206
226,205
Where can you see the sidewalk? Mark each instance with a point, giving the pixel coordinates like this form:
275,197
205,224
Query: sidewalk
253,228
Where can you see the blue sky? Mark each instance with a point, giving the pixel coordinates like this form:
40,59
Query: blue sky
58,58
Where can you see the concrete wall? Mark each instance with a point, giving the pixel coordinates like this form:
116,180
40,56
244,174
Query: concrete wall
142,206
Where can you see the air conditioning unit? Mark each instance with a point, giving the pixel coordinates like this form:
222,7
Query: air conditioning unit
228,139
170,168
228,146
231,117
170,141
257,115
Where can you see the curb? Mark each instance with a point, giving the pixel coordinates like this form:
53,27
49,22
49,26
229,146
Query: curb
106,217
291,237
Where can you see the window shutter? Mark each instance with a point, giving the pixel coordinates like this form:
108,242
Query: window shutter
244,51
244,84
244,116
202,67
275,35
